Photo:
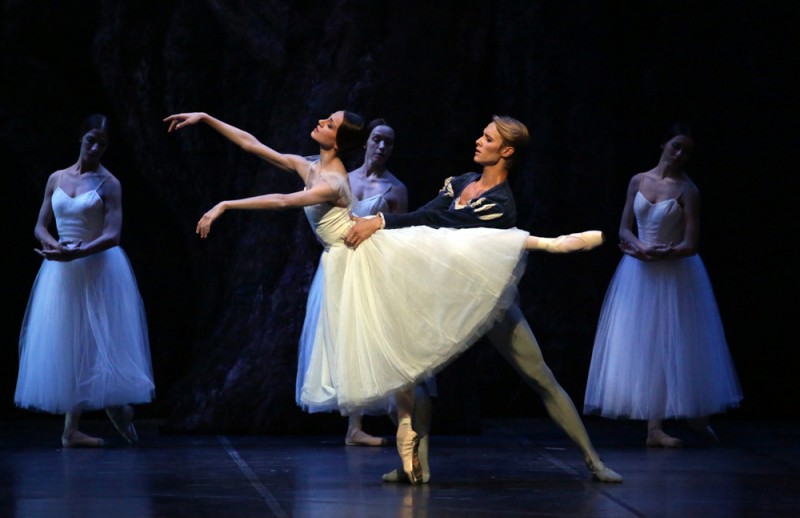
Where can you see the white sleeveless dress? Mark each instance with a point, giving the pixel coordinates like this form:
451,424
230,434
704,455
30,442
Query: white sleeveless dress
399,307
660,350
84,337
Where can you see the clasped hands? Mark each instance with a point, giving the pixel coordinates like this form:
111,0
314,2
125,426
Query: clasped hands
63,251
648,253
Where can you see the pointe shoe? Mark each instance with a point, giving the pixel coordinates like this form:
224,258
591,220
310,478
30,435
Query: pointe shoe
80,440
603,473
577,242
399,476
660,439
408,448
122,419
701,427
362,438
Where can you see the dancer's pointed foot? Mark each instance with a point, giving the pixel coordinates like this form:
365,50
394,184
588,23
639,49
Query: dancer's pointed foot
659,439
122,418
80,440
577,242
701,427
399,476
603,473
408,448
356,437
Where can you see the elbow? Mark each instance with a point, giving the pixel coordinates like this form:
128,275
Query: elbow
39,233
281,202
249,143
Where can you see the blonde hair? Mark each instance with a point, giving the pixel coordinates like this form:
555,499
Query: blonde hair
514,134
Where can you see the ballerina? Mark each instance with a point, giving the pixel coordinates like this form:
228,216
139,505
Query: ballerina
84,343
660,350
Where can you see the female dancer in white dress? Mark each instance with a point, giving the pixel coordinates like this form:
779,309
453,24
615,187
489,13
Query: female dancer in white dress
398,308
660,350
374,189
84,340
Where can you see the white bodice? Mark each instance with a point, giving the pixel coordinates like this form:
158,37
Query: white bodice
79,218
330,221
662,222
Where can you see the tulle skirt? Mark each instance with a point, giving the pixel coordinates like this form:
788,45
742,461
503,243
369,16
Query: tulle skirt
660,349
399,308
84,337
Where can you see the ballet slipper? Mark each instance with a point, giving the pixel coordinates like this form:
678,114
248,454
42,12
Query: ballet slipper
659,439
80,440
357,437
399,476
577,242
122,419
408,448
701,427
603,473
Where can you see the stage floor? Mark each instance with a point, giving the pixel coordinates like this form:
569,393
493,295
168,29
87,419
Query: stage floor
516,467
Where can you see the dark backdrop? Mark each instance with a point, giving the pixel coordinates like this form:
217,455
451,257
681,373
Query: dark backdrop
595,82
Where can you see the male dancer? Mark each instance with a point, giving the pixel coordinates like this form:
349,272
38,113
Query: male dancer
485,200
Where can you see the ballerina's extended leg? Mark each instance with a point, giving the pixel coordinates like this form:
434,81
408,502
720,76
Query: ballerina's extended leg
577,242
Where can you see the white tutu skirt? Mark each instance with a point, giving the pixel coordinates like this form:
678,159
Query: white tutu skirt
84,337
399,308
660,349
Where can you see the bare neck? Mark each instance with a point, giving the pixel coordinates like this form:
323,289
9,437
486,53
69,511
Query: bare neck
665,170
84,166
329,160
493,175
373,168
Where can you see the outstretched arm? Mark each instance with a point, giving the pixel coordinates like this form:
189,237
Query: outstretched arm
319,193
241,138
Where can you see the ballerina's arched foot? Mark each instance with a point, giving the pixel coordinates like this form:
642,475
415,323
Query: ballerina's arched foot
702,428
80,440
122,418
603,473
357,437
399,476
659,439
408,448
577,242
